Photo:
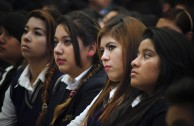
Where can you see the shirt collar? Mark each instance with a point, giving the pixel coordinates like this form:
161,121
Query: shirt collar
72,84
24,80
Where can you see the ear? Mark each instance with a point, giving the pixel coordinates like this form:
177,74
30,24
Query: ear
189,35
92,49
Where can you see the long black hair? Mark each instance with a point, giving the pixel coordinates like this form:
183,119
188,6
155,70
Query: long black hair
177,57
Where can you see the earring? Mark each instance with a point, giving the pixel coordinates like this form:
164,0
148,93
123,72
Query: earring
90,54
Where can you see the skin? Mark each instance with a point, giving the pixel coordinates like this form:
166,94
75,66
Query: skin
99,4
162,22
179,116
34,40
9,47
145,68
34,46
64,53
107,17
112,57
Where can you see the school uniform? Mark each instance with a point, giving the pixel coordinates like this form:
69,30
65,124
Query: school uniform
155,115
83,97
23,103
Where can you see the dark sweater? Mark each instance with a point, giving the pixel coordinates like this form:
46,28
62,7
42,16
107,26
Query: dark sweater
28,109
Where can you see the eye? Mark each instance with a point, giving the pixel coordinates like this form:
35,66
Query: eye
101,51
55,42
67,42
25,31
111,47
37,33
147,55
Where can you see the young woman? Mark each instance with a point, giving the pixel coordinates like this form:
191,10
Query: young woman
28,96
10,52
164,56
118,42
75,55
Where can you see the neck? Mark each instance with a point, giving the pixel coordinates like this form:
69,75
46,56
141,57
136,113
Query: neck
36,69
78,71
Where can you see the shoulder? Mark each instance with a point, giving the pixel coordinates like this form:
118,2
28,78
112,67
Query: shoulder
97,80
157,113
100,76
160,105
57,75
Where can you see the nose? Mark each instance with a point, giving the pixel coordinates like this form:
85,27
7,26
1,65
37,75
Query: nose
58,49
26,37
105,56
135,62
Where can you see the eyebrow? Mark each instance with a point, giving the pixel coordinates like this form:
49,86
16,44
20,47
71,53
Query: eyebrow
148,49
110,43
36,28
63,37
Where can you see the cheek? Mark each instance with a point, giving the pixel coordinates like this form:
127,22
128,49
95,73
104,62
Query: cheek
151,74
147,77
42,46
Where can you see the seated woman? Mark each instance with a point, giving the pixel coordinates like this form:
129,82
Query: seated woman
27,98
164,56
118,42
75,55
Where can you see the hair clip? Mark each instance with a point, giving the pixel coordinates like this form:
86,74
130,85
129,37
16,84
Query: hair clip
190,18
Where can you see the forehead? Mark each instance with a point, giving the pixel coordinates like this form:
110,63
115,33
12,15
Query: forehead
35,22
108,38
146,44
180,114
61,30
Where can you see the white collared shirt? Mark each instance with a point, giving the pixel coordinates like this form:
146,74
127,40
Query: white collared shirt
8,113
72,84
80,118
24,79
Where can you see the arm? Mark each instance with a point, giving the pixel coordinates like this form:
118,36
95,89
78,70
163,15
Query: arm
79,119
8,114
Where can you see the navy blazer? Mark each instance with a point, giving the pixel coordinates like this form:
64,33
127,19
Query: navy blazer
80,101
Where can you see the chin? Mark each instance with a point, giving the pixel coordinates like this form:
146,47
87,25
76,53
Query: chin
134,83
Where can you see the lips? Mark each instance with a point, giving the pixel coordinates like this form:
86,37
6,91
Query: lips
107,68
24,47
133,73
60,61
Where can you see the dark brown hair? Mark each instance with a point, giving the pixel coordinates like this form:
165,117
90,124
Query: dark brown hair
50,24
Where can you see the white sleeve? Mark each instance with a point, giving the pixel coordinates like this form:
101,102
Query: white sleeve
79,119
8,114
